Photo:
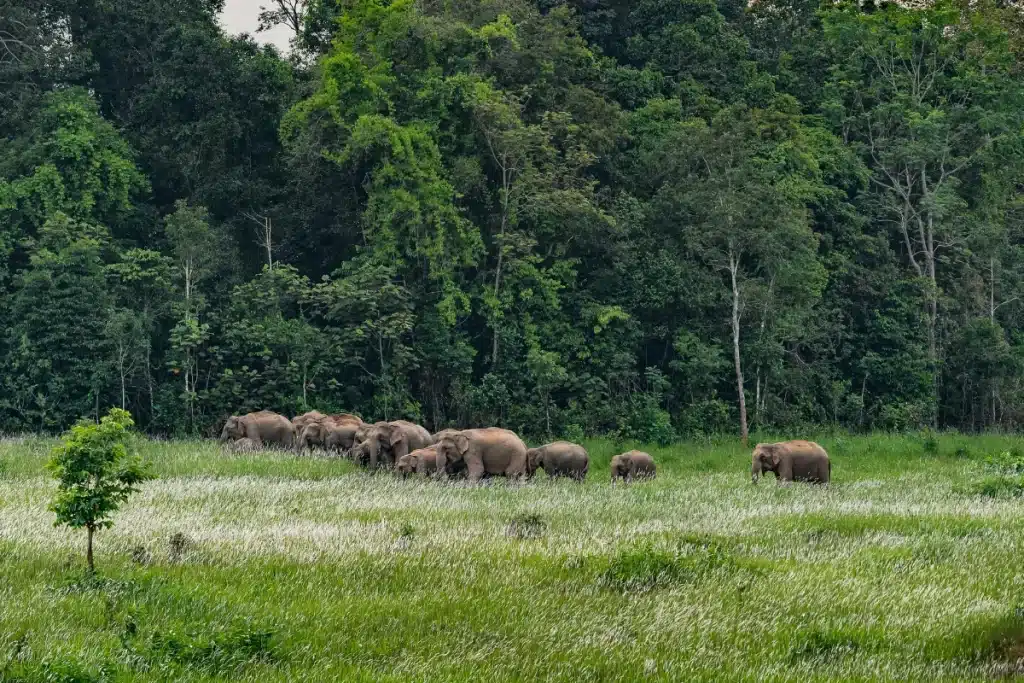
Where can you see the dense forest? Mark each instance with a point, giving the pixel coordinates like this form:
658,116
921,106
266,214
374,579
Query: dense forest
641,217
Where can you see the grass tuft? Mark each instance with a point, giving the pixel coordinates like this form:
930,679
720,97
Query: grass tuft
526,525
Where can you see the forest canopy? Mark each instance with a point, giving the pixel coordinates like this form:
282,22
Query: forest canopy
639,217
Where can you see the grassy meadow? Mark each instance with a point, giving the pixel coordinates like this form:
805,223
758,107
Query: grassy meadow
275,567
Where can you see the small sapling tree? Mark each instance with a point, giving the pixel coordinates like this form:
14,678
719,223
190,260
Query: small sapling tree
95,472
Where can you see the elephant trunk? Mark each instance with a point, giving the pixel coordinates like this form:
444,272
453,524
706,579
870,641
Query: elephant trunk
755,470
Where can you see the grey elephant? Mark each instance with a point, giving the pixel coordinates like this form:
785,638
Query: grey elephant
263,428
388,442
791,461
421,461
633,465
559,459
491,451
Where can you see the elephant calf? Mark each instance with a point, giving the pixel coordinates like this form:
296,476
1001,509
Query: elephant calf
421,461
791,461
243,445
632,465
558,459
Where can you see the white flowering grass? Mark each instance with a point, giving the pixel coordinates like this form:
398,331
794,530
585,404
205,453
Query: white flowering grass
292,567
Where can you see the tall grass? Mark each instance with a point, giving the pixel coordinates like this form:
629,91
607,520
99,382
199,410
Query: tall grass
287,567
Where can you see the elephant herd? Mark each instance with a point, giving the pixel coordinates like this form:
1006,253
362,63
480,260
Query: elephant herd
408,448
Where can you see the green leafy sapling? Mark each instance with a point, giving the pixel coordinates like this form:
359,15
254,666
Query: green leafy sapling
96,472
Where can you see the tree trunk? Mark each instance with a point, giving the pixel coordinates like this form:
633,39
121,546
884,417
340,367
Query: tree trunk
506,188
88,550
733,268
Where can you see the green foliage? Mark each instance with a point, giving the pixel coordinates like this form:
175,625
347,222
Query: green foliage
96,473
559,216
646,567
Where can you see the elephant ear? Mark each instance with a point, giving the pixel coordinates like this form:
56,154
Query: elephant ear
396,435
771,454
461,442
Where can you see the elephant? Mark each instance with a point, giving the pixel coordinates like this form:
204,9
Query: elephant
243,445
332,433
389,441
558,459
364,431
341,436
300,421
263,428
633,465
791,461
482,451
360,454
420,461
441,434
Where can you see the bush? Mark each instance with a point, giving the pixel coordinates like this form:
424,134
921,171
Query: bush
712,416
1006,463
646,422
998,487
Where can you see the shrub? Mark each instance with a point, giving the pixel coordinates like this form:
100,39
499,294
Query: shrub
998,486
646,422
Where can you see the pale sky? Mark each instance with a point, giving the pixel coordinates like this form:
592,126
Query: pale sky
242,16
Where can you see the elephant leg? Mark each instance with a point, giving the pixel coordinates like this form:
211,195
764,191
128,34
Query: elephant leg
252,432
785,472
474,469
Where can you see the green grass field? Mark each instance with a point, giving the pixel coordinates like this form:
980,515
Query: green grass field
275,567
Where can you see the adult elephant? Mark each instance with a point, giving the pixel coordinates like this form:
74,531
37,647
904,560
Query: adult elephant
341,436
633,465
491,451
558,459
329,432
421,461
300,422
791,461
262,428
389,441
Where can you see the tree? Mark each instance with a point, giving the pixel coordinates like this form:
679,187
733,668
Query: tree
924,95
96,473
59,358
126,334
195,249
738,204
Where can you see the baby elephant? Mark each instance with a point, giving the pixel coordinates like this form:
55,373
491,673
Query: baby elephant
420,461
558,459
243,445
791,461
632,465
